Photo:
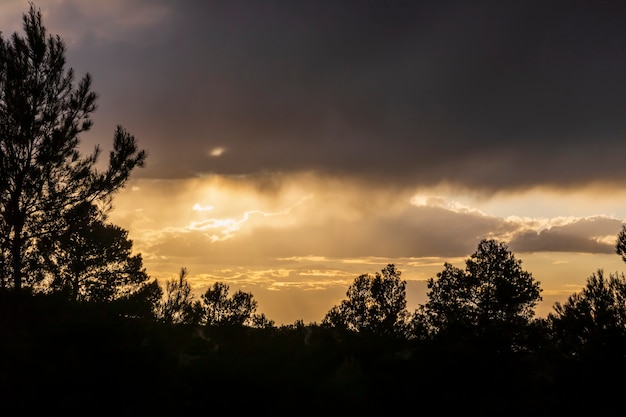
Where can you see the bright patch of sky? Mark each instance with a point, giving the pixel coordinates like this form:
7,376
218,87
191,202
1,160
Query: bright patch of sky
217,151
533,204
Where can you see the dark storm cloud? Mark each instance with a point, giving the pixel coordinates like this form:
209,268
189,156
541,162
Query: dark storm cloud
583,235
484,94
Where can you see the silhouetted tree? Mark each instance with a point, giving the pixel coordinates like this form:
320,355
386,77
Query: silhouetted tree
593,320
375,305
43,111
219,309
620,245
260,321
178,304
91,260
143,302
450,302
493,295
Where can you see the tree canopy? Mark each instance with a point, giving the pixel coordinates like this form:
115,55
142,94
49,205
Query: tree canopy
177,305
374,305
43,112
593,320
492,294
218,308
91,260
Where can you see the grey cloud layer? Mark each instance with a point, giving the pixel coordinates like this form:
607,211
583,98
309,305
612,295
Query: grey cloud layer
396,93
592,235
483,95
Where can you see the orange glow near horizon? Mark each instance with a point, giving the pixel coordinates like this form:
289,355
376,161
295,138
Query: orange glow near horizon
298,245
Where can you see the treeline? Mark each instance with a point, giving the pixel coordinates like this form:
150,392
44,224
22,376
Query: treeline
474,346
84,329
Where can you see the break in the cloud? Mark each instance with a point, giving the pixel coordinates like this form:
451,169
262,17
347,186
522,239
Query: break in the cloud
588,235
231,220
314,235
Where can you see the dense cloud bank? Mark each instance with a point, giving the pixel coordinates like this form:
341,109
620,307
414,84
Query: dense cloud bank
487,95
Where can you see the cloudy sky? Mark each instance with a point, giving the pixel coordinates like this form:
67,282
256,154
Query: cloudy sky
294,145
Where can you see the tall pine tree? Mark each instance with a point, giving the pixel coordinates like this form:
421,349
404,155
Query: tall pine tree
43,111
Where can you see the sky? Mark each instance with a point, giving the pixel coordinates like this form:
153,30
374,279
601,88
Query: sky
295,145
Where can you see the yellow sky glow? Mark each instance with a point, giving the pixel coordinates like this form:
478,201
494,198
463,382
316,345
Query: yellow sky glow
307,238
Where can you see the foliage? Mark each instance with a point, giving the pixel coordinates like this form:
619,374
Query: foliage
493,295
178,305
450,300
143,302
219,309
593,320
91,260
620,245
43,111
214,307
375,305
260,321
